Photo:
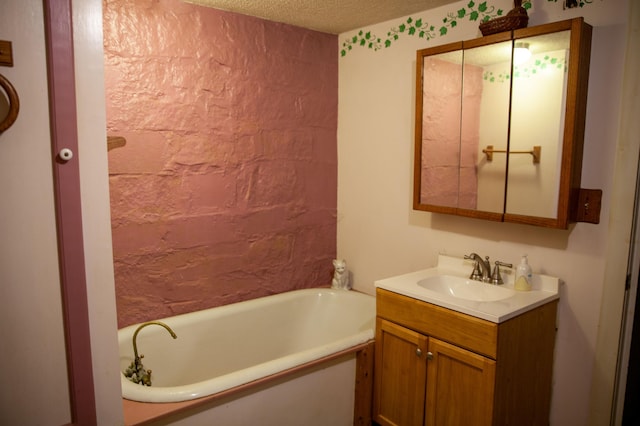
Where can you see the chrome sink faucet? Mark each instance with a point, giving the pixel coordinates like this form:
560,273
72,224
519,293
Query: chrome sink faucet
482,269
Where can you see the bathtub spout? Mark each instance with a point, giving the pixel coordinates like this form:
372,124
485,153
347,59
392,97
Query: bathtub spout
136,371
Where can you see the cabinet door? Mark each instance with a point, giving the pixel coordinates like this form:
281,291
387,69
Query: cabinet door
400,379
460,386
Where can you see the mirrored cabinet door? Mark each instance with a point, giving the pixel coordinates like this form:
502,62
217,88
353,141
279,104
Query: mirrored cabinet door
439,127
549,115
485,122
539,87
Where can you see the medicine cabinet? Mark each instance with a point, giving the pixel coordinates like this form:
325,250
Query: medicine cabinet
500,126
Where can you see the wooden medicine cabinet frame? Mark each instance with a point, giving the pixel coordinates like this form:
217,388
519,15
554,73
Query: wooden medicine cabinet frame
570,204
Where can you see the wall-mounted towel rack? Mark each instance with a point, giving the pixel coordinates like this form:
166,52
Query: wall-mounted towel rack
535,152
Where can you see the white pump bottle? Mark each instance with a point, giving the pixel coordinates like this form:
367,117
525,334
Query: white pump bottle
523,275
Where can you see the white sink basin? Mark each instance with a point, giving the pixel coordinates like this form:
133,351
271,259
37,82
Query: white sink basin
464,288
448,285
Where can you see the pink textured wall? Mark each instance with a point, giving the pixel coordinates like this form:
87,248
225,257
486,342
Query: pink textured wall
226,188
442,87
470,136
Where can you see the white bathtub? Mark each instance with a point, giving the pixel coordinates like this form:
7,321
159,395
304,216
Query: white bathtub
226,347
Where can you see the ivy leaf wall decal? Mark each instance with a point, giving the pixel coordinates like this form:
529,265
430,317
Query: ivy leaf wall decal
419,27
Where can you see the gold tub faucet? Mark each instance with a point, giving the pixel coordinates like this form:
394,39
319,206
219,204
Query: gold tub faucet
136,371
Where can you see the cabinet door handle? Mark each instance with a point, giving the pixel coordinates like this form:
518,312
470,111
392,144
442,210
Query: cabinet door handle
429,355
419,352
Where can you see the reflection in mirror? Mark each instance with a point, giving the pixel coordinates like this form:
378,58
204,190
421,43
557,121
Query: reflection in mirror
464,109
4,105
486,119
441,111
537,118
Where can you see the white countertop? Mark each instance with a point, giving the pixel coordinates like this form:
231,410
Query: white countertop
543,290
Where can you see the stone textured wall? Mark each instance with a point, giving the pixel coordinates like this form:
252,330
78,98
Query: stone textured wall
226,187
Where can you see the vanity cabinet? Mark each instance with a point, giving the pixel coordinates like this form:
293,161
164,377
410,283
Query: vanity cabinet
435,366
499,136
404,390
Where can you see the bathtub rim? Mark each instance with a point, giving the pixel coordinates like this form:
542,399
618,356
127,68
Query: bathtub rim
251,374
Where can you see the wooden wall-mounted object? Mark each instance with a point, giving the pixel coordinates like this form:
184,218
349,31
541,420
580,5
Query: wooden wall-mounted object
14,104
6,54
589,204
114,142
6,60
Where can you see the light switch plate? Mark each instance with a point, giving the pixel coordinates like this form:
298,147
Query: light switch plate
588,208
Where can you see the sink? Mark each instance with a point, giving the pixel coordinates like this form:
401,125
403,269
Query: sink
447,285
464,288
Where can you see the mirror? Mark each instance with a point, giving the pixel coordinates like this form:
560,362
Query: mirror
440,127
498,134
537,119
493,64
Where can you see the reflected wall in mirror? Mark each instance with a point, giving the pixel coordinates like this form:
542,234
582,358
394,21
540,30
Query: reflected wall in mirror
465,107
540,80
494,64
441,129
499,136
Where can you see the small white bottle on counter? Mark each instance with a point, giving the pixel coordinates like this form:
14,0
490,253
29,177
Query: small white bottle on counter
523,275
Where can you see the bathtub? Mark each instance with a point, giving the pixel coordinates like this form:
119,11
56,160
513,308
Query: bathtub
232,346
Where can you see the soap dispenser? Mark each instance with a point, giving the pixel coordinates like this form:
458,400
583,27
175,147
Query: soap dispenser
523,275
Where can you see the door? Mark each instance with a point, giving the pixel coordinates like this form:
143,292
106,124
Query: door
401,372
43,306
460,386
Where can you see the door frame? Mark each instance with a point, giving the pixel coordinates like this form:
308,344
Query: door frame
630,129
66,180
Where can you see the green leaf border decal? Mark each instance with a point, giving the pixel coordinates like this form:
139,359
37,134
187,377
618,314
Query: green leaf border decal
481,12
418,27
538,65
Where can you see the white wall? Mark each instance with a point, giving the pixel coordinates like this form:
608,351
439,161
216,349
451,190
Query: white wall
380,235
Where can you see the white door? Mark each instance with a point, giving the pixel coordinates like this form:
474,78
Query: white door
33,364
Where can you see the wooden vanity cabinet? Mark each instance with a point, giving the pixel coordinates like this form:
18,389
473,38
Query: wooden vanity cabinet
438,367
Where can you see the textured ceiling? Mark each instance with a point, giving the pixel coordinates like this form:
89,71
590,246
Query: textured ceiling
329,16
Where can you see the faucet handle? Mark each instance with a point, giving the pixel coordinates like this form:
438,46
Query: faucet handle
496,278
